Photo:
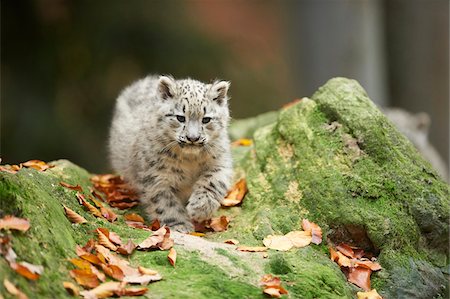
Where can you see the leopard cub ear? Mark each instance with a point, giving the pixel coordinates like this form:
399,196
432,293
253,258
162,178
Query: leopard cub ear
166,87
218,92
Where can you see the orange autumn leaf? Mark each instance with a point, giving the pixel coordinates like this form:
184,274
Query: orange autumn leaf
72,187
272,292
12,222
146,271
360,276
159,239
272,286
251,248
85,278
316,231
367,264
172,256
113,271
134,217
80,263
280,243
71,288
112,236
37,164
92,258
299,238
10,168
236,194
93,210
13,290
132,291
197,234
30,271
73,216
155,225
373,294
139,225
346,250
219,224
103,240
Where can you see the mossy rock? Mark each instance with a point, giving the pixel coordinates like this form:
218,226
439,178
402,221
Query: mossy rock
334,159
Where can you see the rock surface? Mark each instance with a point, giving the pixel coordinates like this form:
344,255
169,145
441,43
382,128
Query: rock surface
334,159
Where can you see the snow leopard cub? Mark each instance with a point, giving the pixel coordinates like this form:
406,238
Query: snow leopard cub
169,140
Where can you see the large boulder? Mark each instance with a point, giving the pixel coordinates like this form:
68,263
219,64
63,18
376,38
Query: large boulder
333,159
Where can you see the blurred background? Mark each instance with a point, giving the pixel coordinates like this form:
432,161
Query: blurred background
64,62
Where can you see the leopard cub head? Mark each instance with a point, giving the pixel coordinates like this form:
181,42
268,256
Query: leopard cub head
193,114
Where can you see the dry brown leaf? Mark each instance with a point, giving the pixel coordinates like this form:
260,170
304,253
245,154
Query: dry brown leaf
236,194
333,254
219,224
71,288
133,291
316,231
85,278
343,261
72,187
299,238
139,225
37,164
272,286
30,271
231,241
155,225
146,271
134,217
197,234
159,239
73,216
373,294
12,222
113,271
94,211
272,292
172,256
123,205
108,214
280,243
127,248
112,236
80,263
10,168
251,248
360,276
367,264
93,259
103,240
242,142
346,250
104,290
142,279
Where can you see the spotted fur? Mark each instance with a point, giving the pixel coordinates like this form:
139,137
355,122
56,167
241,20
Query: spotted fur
169,139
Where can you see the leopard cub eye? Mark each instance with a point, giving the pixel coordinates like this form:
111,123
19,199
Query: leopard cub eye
181,118
206,120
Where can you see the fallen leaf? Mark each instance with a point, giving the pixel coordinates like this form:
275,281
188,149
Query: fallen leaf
360,276
104,290
13,290
134,217
236,194
299,238
367,264
280,243
30,271
155,225
343,261
72,187
133,291
123,205
333,254
127,248
71,288
108,214
219,224
80,263
94,211
136,224
146,271
92,258
373,294
346,250
112,236
100,275
316,231
12,222
272,286
242,142
37,164
159,239
142,279
172,256
73,216
85,278
251,248
10,168
113,271
103,240
231,241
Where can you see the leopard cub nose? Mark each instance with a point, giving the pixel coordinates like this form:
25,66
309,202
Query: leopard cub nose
193,138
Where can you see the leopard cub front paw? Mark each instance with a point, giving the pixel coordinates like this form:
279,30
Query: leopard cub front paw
199,209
